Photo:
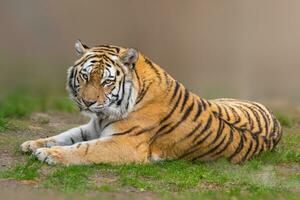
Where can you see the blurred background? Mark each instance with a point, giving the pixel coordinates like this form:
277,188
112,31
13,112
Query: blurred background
217,48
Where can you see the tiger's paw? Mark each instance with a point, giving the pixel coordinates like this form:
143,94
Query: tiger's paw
31,146
51,156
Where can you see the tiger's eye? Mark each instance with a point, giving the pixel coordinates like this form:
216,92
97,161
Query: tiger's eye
107,82
85,76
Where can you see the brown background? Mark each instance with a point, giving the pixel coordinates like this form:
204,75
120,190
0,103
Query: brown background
232,48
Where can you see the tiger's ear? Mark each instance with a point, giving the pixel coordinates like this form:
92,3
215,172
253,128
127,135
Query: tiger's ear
129,57
80,48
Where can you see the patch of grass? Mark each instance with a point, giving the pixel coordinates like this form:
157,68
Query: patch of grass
21,103
69,179
64,104
3,124
17,104
171,179
27,171
284,120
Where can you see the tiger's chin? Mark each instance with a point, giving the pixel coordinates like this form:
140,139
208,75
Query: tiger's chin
104,113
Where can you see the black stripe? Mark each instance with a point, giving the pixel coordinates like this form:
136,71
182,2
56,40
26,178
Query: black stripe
230,140
105,50
137,76
128,98
240,147
164,119
209,104
109,123
190,133
167,79
173,109
127,131
110,48
175,90
153,68
199,111
72,140
258,121
219,132
141,89
122,81
83,136
152,139
220,114
185,99
161,129
87,148
184,117
248,151
203,104
255,138
227,114
264,111
144,130
251,124
211,150
237,118
263,114
85,59
195,146
206,127
71,79
143,93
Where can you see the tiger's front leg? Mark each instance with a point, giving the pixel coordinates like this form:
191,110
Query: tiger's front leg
82,133
116,149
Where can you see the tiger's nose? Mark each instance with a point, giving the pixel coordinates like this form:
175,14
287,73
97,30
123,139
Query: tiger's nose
88,103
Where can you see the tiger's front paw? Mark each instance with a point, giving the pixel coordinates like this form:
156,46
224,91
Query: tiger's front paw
51,156
31,145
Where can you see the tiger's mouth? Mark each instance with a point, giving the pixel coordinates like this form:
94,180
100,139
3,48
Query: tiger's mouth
92,109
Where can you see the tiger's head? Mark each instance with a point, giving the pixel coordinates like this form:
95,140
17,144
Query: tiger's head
101,80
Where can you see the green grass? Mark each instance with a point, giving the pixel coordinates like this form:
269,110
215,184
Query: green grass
68,179
24,171
172,179
21,103
285,120
3,124
63,104
264,177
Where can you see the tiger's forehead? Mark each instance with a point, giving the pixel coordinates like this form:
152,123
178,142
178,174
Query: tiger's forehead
101,59
100,54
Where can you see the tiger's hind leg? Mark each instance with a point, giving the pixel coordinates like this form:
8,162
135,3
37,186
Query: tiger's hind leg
82,133
118,149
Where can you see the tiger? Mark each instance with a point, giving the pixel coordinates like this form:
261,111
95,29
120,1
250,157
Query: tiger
141,114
